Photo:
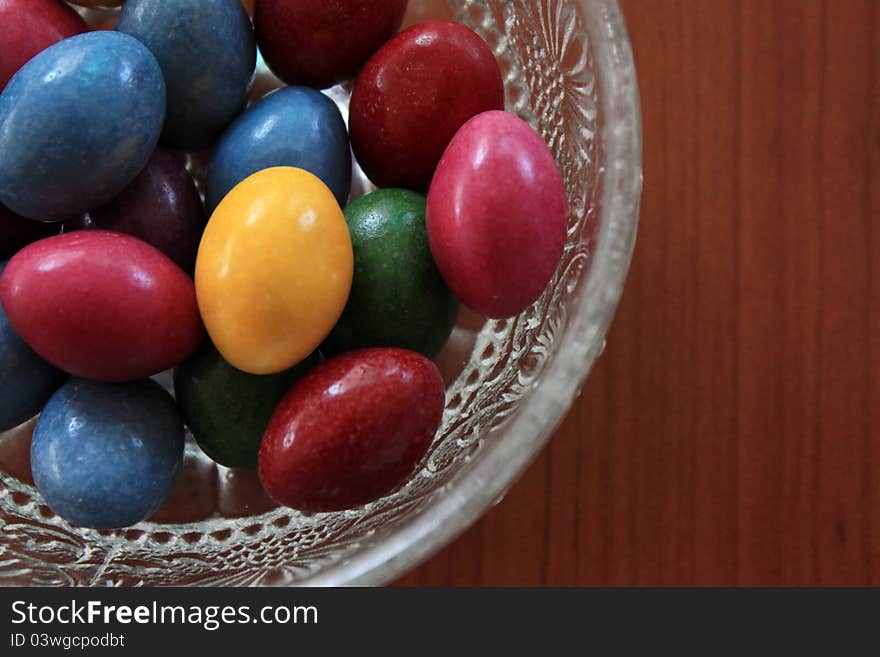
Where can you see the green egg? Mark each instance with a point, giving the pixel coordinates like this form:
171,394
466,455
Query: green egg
398,298
226,409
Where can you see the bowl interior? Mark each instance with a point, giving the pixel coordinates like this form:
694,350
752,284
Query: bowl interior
568,71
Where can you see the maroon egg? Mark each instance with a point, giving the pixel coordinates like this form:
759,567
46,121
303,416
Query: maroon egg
101,305
161,206
321,42
414,94
352,430
497,215
31,26
17,232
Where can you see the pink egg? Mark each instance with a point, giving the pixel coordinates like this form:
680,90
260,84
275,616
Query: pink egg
101,305
496,215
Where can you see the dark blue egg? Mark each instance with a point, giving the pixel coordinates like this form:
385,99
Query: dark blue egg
208,54
26,380
78,122
106,455
294,127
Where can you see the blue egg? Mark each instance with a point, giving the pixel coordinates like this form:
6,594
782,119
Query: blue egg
26,380
208,54
106,455
294,127
78,122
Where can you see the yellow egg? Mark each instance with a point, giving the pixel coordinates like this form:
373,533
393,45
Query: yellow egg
274,270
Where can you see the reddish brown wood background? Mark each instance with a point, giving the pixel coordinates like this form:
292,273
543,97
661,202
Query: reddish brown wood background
730,434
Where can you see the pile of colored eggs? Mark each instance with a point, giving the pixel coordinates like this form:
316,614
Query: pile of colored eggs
300,326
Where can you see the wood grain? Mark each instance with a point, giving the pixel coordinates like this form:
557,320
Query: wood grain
730,434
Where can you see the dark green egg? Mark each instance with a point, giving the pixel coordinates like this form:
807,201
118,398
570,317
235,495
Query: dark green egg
226,409
398,298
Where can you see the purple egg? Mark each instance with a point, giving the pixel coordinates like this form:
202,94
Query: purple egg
161,206
17,232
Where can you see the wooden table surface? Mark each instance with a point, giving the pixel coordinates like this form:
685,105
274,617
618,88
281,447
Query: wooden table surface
730,433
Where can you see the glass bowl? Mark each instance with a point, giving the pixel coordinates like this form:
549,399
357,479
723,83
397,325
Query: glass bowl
569,71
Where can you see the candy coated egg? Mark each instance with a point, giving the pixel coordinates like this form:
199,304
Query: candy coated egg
207,53
321,42
78,122
106,455
227,410
291,127
31,26
101,305
497,215
352,430
274,270
398,298
161,206
17,232
412,96
26,380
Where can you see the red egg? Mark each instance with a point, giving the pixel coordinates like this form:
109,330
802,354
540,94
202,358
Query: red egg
414,94
352,430
496,215
321,42
31,26
101,305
